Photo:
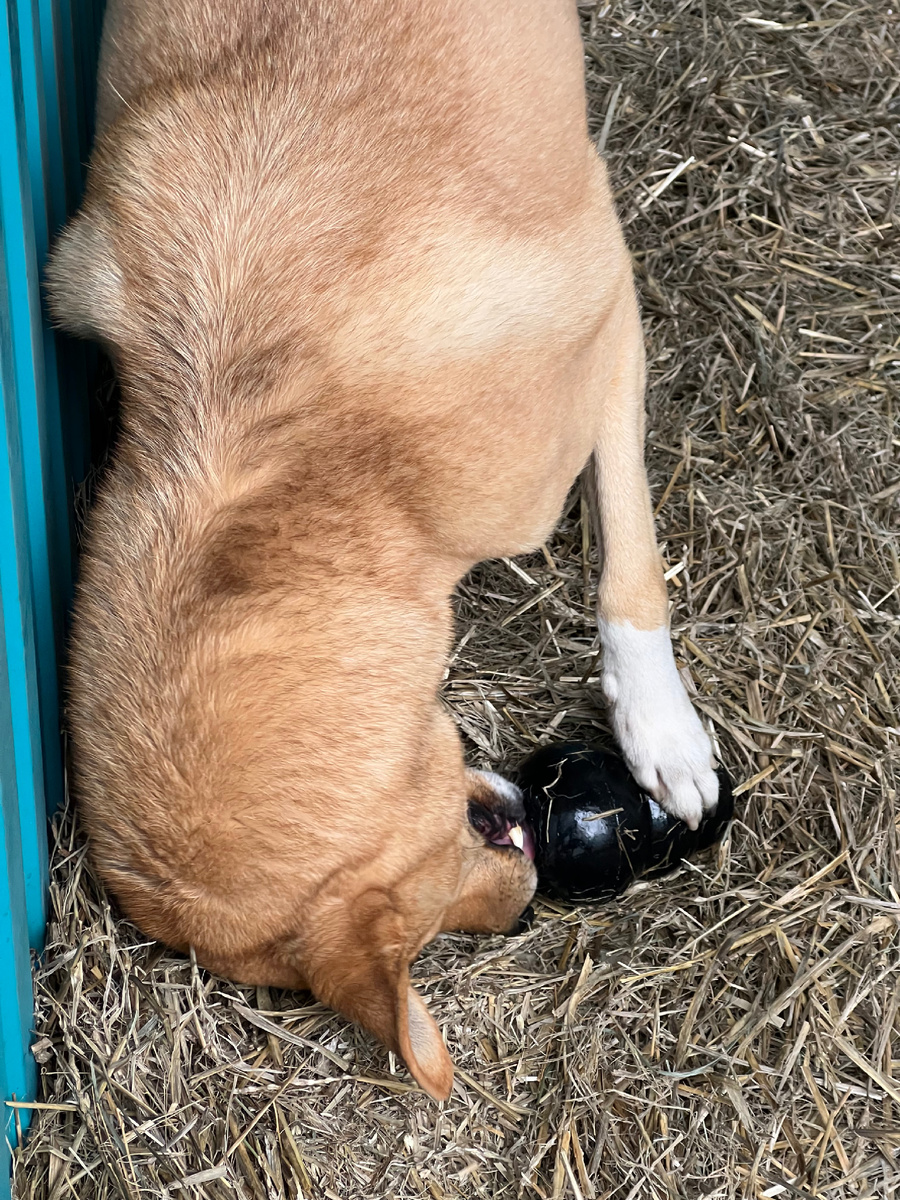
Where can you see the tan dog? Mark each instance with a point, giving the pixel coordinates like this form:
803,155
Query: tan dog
359,270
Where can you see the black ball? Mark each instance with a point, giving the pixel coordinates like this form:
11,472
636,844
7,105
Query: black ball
595,830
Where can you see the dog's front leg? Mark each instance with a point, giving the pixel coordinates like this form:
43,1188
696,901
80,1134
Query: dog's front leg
660,734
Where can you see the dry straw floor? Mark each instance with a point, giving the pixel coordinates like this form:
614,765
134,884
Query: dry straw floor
725,1033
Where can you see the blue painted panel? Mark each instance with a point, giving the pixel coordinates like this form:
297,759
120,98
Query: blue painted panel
17,1068
47,67
24,590
43,139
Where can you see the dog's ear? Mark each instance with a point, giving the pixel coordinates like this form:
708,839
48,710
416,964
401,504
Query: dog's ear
360,967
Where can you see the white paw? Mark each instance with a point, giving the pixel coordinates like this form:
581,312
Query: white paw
660,735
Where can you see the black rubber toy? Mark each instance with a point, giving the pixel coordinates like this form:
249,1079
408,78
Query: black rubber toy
595,830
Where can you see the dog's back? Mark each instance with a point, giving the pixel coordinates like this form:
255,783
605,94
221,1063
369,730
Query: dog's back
329,248
350,260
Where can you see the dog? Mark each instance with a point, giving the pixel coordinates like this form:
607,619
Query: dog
359,271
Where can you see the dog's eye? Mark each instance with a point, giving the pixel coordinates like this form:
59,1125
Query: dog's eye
489,823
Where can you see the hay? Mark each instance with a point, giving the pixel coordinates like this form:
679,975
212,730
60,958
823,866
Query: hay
727,1032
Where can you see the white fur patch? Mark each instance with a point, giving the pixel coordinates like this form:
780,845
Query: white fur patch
666,748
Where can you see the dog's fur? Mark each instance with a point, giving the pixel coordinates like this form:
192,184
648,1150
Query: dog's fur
358,268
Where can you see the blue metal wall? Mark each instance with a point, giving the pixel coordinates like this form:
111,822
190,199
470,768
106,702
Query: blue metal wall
47,67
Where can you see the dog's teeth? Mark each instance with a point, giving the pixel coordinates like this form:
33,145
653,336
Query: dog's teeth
517,837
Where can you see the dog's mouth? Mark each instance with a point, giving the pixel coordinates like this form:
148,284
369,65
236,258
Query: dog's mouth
518,836
499,830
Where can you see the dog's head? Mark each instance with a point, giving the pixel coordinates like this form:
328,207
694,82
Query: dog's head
358,944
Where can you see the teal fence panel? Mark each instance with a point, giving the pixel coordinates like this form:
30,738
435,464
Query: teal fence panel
47,68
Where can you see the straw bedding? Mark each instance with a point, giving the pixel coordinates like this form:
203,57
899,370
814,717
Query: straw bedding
724,1033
